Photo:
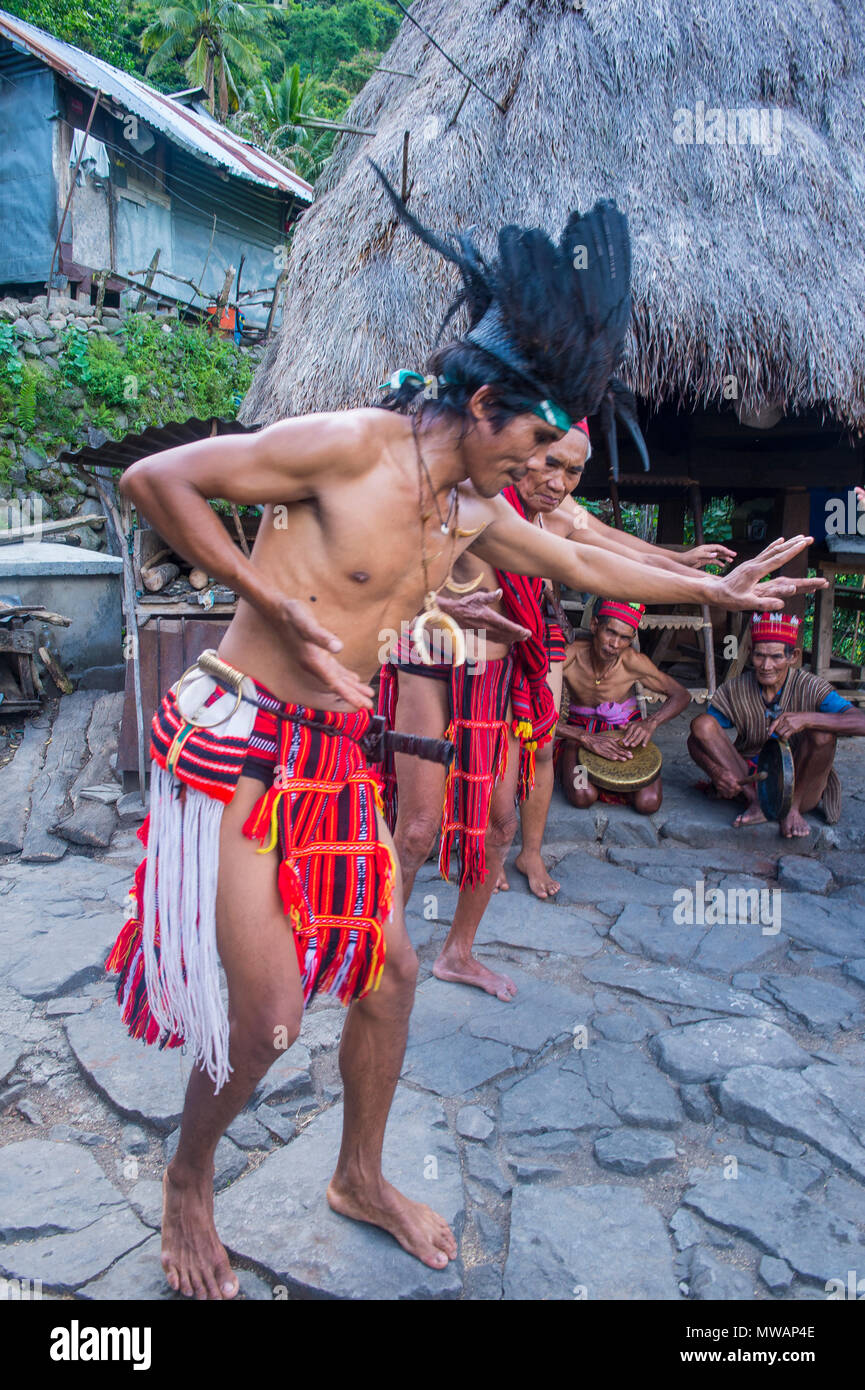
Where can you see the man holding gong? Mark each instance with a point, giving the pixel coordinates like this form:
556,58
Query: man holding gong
603,742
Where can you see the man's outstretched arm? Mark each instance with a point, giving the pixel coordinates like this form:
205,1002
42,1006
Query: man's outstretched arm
589,529
510,543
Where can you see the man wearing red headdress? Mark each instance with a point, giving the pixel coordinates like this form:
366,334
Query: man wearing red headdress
776,699
600,672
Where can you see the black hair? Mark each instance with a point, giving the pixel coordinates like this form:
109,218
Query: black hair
455,372
549,320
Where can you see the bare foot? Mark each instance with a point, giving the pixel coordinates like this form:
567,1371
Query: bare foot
753,816
419,1229
502,884
459,970
794,826
535,870
193,1256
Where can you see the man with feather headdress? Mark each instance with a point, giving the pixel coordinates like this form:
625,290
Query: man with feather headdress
379,505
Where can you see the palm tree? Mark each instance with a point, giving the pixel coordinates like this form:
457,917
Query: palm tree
220,38
276,115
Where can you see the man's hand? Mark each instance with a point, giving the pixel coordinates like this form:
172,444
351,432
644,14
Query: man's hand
475,613
606,746
314,647
741,588
790,723
727,785
700,555
640,732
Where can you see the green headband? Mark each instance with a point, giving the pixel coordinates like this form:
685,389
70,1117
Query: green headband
547,410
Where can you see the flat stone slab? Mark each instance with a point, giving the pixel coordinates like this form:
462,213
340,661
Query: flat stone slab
619,1075
71,953
141,1082
803,875
139,1276
785,1102
595,1243
676,986
816,1242
690,865
707,1051
289,1077
48,1189
278,1215
824,924
11,1053
585,879
635,1151
65,1262
514,919
713,1280
16,783
460,1038
554,1099
815,1004
63,758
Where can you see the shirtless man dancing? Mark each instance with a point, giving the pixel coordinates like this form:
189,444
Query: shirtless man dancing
313,600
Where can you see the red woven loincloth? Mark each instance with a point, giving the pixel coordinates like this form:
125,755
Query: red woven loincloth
335,876
534,709
479,732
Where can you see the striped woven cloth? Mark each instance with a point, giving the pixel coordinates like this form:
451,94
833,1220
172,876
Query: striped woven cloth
479,732
335,875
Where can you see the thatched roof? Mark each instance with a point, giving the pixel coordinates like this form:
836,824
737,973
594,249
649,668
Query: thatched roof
746,261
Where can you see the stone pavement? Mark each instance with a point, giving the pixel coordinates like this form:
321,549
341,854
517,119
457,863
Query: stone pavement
670,1109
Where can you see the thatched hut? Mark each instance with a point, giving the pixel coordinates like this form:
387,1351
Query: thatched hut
731,134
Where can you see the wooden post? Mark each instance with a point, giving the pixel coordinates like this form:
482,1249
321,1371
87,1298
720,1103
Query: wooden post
824,612
222,298
696,501
148,279
793,518
617,508
100,277
277,289
671,521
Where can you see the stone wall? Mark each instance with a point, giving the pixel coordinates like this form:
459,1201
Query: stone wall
36,480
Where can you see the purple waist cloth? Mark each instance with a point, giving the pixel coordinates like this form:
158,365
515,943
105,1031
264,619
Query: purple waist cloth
608,710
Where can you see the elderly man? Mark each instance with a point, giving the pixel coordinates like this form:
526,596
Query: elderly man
600,671
775,699
546,493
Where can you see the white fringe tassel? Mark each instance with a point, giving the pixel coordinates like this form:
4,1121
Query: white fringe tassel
183,849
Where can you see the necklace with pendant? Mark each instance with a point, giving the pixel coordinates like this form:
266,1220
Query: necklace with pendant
431,611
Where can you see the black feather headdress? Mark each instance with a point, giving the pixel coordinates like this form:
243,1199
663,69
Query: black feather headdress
554,316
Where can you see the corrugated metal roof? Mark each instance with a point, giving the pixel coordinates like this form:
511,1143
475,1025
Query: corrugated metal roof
196,132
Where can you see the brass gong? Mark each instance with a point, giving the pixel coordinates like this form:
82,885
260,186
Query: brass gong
628,776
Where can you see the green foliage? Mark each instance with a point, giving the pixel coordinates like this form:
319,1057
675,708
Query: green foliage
93,25
143,375
27,402
219,42
10,363
75,357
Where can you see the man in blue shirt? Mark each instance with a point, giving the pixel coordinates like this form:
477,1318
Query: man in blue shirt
775,699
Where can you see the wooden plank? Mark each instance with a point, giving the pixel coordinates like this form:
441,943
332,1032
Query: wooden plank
16,782
93,823
63,760
16,639
824,606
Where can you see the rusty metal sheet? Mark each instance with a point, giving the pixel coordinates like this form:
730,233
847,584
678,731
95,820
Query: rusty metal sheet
166,647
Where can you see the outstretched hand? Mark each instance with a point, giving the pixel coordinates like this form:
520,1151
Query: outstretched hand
710,554
742,589
314,648
476,613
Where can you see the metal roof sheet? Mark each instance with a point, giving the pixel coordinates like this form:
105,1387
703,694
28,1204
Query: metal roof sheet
195,131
